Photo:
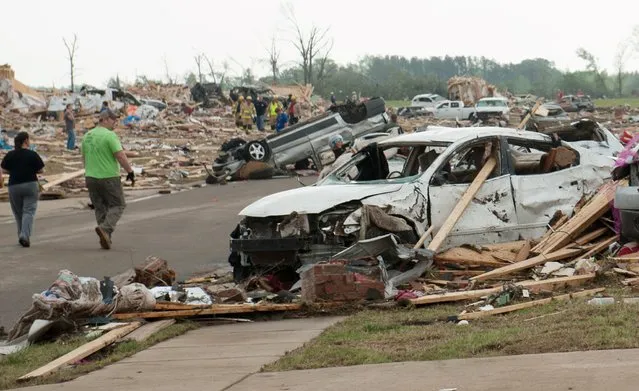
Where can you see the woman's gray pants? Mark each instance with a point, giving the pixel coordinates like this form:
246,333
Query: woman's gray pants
24,201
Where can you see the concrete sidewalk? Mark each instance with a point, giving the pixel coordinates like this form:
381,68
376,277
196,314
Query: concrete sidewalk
577,371
210,358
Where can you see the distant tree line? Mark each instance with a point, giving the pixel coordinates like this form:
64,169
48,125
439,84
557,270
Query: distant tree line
396,77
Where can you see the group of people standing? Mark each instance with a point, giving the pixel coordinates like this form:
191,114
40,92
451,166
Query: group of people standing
280,114
102,155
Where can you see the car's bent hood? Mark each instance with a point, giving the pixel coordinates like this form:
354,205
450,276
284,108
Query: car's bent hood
313,199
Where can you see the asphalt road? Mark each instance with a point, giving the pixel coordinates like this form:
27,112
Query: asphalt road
189,229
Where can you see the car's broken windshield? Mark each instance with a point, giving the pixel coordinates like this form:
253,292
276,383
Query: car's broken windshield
389,163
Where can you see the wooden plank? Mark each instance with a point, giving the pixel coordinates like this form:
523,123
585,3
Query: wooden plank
149,329
528,116
423,238
63,178
524,252
169,306
534,286
529,304
532,262
599,247
593,210
463,203
83,351
467,256
589,237
630,258
624,272
513,247
214,309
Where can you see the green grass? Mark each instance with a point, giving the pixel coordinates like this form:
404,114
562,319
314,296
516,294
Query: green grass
633,102
397,103
372,337
18,364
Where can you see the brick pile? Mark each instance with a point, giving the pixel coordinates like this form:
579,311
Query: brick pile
333,282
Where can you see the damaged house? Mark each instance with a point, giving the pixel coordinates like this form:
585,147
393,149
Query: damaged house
535,176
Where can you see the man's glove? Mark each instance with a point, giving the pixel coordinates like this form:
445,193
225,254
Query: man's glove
131,177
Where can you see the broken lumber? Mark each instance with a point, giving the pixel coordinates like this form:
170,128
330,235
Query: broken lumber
523,253
63,178
599,247
630,258
144,332
169,306
528,116
463,203
529,304
532,262
549,284
83,351
467,256
593,210
214,309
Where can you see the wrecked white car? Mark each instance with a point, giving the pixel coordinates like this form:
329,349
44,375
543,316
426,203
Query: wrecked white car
535,177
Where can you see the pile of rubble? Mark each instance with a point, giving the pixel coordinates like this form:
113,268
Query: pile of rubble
169,139
470,89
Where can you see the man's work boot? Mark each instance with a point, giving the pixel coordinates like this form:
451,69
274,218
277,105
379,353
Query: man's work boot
105,240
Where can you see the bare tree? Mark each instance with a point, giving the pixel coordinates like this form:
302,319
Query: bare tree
621,58
71,48
309,45
273,59
169,79
211,68
321,73
592,65
198,62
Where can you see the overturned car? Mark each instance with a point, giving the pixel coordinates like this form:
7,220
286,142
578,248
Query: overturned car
535,177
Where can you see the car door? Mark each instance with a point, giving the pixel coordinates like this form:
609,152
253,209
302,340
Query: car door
443,110
540,192
491,216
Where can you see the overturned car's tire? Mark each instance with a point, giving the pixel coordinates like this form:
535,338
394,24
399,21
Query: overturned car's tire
258,151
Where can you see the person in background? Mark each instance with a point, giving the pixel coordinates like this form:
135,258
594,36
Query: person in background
293,111
272,111
288,101
354,97
4,141
101,152
282,120
238,111
23,166
260,113
248,113
69,126
105,106
333,98
342,154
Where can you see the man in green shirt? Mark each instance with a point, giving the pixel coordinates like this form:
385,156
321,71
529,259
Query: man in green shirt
101,152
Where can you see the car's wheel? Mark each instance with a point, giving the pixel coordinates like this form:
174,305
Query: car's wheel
257,151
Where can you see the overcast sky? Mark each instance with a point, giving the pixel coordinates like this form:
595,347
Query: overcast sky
132,38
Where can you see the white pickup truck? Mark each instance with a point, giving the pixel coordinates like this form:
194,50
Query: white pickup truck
452,109
485,107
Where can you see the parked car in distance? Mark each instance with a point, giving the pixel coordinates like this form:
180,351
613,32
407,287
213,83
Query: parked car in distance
574,103
452,109
426,100
491,108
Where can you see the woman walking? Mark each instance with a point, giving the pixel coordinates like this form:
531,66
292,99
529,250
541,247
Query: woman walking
23,165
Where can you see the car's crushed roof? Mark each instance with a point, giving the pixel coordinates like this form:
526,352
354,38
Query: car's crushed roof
451,135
